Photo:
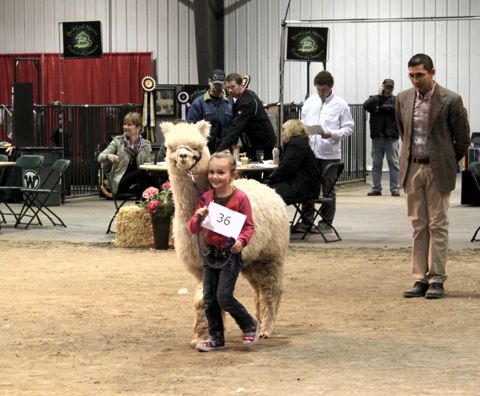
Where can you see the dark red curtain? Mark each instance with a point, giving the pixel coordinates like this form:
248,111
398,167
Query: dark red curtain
113,79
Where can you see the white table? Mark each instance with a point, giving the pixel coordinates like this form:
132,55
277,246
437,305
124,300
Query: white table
242,169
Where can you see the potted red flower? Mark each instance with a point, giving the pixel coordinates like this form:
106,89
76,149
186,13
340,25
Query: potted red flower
159,203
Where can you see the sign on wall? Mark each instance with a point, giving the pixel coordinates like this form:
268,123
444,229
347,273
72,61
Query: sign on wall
307,44
82,39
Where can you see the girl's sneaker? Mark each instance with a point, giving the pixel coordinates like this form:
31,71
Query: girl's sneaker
250,337
210,345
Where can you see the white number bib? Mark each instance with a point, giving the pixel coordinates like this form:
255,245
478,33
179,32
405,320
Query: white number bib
224,221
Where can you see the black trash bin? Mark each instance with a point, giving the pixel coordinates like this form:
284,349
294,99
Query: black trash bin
50,155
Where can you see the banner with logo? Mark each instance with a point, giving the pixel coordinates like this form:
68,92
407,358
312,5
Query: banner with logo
307,44
82,39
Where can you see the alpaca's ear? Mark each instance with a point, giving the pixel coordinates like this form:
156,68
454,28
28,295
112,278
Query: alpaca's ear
166,127
204,127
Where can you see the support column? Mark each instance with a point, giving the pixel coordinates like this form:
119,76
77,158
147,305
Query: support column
209,35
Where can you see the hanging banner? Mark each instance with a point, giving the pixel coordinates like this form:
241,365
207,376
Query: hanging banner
82,39
307,44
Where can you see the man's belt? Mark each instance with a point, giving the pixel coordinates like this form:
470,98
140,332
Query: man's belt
418,160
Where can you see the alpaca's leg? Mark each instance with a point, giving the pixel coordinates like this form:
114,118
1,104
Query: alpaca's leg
200,325
269,297
250,276
266,279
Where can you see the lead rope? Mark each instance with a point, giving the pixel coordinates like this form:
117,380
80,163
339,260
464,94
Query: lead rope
204,255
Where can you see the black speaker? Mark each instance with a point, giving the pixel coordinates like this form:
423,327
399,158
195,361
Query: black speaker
23,132
469,193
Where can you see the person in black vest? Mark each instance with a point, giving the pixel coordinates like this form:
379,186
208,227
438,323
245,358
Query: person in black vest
297,175
384,135
250,122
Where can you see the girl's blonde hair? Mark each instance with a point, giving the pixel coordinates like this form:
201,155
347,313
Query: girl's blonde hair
292,128
228,155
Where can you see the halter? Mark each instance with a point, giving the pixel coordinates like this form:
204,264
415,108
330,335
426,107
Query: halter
195,158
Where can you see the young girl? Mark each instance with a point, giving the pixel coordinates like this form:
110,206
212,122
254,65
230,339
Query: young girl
223,262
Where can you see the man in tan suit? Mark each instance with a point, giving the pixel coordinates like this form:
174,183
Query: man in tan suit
433,125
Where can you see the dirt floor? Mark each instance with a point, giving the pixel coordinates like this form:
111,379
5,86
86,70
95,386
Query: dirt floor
81,319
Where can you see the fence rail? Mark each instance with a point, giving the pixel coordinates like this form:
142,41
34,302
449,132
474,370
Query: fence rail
84,130
353,148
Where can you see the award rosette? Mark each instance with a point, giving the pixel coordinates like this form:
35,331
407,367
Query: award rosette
148,111
148,83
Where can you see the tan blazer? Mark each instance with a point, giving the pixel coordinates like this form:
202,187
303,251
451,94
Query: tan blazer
119,168
448,134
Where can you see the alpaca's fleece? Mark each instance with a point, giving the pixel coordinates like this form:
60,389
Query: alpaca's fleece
263,256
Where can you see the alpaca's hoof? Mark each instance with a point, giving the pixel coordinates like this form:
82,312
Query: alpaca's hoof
265,334
196,340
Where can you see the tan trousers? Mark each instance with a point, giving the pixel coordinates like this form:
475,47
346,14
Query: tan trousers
427,212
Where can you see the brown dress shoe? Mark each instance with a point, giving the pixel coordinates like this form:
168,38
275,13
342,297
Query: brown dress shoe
418,290
435,291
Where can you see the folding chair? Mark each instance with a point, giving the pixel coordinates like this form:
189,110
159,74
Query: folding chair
30,166
297,215
35,199
119,199
3,158
332,172
474,168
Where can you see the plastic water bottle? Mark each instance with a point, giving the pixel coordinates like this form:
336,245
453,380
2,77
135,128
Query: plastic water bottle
276,155
236,153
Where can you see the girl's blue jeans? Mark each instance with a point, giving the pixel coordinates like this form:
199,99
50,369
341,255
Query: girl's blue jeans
218,288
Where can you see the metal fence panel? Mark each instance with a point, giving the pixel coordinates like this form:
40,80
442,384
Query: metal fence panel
86,130
353,147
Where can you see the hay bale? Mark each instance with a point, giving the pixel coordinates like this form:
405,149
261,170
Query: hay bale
134,228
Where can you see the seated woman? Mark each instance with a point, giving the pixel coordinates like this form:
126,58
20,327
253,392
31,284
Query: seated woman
297,176
126,153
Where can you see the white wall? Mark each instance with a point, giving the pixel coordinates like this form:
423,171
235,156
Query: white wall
164,27
360,55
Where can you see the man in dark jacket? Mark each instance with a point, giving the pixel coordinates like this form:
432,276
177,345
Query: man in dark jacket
250,122
213,107
384,134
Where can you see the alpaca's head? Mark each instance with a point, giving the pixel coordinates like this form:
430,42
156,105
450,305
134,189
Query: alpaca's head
186,145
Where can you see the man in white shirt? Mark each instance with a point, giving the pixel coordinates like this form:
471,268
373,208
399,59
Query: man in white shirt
332,113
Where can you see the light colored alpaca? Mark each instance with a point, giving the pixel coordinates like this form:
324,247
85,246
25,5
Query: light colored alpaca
263,256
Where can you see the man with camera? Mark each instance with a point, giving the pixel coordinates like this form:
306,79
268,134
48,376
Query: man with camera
384,135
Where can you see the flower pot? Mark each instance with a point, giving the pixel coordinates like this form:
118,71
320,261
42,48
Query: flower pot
161,231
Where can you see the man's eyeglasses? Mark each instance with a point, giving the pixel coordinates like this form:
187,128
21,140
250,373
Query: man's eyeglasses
418,76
